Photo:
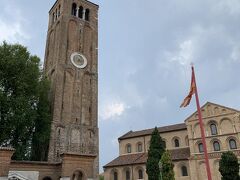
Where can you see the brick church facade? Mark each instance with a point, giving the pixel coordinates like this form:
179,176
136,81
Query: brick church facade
71,64
222,126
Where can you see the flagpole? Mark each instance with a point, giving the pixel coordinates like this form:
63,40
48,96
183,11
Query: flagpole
202,129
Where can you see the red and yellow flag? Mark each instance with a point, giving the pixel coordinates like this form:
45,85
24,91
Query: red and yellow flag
187,99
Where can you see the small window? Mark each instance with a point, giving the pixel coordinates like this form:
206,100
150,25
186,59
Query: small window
164,144
115,176
232,144
74,9
213,128
200,147
176,143
139,147
129,148
87,12
184,171
140,174
47,178
216,146
127,175
53,17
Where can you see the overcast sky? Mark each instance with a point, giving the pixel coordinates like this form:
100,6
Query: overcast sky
145,51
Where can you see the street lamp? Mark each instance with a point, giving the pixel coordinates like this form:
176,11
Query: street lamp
160,168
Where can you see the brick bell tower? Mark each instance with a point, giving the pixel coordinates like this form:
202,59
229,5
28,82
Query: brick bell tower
71,64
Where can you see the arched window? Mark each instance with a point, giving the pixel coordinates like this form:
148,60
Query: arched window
129,148
140,174
78,175
184,171
115,176
176,143
87,13
47,178
59,10
74,9
127,175
213,128
200,147
139,147
232,144
53,17
80,12
216,146
164,144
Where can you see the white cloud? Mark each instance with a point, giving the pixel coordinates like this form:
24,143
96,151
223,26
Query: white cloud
185,54
12,25
236,54
112,110
12,32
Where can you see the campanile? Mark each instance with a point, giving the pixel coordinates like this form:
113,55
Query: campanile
71,64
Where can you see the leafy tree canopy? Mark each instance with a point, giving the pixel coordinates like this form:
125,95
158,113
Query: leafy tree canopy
229,167
24,105
155,152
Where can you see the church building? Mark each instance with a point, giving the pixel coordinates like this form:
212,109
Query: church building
222,126
71,64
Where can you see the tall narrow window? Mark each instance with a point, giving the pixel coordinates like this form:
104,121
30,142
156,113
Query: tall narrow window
216,146
232,144
115,176
53,17
139,147
80,12
140,174
127,175
87,13
129,148
176,143
200,147
184,171
164,144
74,9
213,128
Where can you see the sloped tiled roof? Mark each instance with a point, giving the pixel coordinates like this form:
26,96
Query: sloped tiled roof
145,132
141,158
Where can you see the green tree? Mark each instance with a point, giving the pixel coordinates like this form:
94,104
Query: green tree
228,166
41,134
21,88
101,177
167,166
155,152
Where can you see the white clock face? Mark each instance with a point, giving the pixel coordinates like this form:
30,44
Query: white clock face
79,60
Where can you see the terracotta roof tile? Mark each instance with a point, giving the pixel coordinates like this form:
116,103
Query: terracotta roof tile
141,158
145,132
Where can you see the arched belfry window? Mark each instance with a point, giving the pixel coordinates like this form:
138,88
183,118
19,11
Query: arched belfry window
74,9
184,171
176,143
80,12
232,144
213,128
216,146
87,14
